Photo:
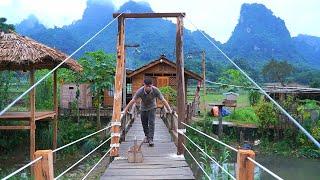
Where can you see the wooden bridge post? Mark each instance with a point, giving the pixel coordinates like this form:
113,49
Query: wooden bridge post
245,168
32,118
204,80
44,167
180,77
118,88
56,110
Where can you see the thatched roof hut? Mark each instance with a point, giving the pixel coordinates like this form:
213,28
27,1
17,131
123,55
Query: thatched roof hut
22,53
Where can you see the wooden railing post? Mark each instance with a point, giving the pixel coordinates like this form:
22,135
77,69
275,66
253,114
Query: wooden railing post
188,113
172,125
245,168
43,169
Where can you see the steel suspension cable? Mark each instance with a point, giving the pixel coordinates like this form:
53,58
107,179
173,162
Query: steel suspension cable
212,159
73,142
82,158
96,164
212,138
265,93
22,168
230,85
196,162
264,168
50,72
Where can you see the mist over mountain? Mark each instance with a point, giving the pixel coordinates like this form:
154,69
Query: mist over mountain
258,37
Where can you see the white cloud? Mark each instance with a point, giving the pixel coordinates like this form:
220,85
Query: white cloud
49,12
218,18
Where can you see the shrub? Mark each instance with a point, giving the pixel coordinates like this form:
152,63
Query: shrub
170,94
254,97
267,115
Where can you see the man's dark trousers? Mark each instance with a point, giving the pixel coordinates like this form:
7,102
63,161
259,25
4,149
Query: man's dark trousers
147,119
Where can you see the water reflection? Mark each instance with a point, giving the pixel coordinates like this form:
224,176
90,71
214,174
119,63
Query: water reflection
286,168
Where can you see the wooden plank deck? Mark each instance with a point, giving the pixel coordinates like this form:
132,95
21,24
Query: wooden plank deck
160,161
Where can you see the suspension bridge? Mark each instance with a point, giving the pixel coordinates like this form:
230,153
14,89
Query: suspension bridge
166,159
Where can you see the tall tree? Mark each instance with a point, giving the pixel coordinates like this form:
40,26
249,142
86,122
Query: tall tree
5,27
234,77
99,71
277,70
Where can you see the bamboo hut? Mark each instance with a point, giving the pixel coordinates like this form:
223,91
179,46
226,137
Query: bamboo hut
20,53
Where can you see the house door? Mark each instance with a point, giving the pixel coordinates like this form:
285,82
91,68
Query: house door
162,81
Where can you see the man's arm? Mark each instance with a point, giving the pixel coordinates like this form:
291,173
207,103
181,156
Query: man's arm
133,100
166,104
125,110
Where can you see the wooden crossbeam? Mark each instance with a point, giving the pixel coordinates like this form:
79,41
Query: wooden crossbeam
14,127
149,15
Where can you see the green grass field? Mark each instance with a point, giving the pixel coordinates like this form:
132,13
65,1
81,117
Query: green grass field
243,114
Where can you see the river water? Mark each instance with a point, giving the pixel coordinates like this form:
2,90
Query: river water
286,168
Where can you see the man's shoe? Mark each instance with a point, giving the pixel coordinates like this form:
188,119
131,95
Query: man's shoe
151,142
145,140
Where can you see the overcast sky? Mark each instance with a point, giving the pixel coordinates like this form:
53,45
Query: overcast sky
218,18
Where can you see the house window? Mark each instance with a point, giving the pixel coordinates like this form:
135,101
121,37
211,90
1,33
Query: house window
111,91
129,88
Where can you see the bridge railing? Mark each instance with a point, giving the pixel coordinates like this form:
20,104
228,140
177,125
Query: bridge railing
43,162
245,158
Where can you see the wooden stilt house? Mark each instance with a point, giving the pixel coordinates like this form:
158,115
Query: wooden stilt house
163,73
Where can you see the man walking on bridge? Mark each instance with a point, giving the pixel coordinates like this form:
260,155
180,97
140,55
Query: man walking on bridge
148,94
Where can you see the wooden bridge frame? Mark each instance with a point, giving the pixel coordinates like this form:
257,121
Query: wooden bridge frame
120,69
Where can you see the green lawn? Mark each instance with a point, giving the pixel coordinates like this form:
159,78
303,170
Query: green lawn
243,114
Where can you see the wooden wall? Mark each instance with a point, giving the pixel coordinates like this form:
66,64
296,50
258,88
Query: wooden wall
107,99
161,69
68,95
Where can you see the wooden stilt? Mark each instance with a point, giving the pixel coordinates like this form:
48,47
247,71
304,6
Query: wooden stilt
32,118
